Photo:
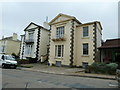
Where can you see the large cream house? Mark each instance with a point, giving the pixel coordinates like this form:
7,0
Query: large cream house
9,45
73,43
35,42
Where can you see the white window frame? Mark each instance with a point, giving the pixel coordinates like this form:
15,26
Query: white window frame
28,50
61,51
60,32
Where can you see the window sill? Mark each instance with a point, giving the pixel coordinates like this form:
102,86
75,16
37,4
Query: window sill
58,58
86,37
85,55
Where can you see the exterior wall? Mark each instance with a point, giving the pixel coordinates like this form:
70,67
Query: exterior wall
34,44
22,47
12,47
73,45
44,42
61,19
66,56
39,44
99,35
98,41
79,45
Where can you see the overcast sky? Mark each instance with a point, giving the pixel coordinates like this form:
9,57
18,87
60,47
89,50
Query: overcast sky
17,15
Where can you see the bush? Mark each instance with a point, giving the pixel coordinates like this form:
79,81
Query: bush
32,60
13,54
111,68
23,61
102,68
27,66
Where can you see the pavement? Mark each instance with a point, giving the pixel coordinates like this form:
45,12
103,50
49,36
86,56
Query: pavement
79,72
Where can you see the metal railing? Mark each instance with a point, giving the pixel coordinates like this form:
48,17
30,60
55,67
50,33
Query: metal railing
29,40
59,38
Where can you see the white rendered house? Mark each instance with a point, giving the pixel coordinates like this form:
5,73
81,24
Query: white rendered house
34,43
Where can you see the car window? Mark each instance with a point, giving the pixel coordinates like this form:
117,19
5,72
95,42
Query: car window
10,58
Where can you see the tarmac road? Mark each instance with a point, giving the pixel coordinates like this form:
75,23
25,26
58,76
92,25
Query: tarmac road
12,78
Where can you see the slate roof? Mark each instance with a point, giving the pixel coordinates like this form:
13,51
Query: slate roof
111,43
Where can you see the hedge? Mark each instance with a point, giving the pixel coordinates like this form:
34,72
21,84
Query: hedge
102,68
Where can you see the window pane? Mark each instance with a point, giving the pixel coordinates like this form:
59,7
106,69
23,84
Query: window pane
85,49
55,50
60,32
59,50
30,35
62,50
85,31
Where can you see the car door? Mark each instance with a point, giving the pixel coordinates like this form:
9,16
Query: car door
0,60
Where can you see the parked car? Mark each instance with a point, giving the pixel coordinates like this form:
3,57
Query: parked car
7,61
118,77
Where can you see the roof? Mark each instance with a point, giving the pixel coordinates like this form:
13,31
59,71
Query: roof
111,43
91,23
71,17
35,25
9,38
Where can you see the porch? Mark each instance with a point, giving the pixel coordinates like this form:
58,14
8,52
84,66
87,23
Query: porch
108,55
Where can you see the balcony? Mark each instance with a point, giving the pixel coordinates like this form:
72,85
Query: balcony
29,41
61,38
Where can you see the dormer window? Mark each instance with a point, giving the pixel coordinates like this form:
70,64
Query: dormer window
60,32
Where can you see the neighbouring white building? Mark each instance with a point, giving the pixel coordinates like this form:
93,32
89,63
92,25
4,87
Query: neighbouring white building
35,42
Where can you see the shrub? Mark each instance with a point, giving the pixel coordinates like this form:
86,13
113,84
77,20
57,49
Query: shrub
111,68
23,61
32,60
13,54
27,66
102,68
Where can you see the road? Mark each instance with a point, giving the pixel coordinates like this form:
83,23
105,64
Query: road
12,78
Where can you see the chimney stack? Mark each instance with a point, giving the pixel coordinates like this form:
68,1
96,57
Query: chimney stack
45,24
14,36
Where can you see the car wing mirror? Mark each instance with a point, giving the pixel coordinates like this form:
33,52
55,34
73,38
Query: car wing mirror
3,57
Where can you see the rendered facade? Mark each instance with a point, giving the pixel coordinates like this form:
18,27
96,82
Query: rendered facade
35,42
9,45
73,43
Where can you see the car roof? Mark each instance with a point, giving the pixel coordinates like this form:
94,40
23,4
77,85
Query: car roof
5,55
